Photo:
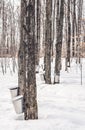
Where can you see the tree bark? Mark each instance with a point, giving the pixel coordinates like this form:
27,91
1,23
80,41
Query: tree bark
59,41
48,41
80,5
30,95
73,28
69,36
21,53
37,31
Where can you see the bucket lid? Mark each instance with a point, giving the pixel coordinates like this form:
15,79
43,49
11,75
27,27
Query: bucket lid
12,88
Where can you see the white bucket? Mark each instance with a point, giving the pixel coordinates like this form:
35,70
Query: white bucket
14,91
42,77
57,79
42,73
18,104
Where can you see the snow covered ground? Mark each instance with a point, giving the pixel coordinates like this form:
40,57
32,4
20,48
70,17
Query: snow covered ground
60,107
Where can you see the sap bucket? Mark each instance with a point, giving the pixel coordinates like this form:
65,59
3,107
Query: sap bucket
42,76
14,91
42,73
18,104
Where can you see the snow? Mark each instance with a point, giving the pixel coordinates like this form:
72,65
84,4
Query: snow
60,106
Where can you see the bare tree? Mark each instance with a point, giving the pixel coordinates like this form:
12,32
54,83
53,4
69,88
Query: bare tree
48,41
37,32
69,35
21,53
30,99
60,17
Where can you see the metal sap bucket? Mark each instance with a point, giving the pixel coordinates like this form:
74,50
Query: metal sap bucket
14,91
42,77
42,73
18,104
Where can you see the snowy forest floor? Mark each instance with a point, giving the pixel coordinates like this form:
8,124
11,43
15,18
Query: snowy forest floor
60,106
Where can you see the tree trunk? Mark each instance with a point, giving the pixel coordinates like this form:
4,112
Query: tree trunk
69,36
30,101
79,27
21,54
48,41
37,35
73,28
59,41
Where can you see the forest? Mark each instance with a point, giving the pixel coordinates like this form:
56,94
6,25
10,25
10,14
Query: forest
42,59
